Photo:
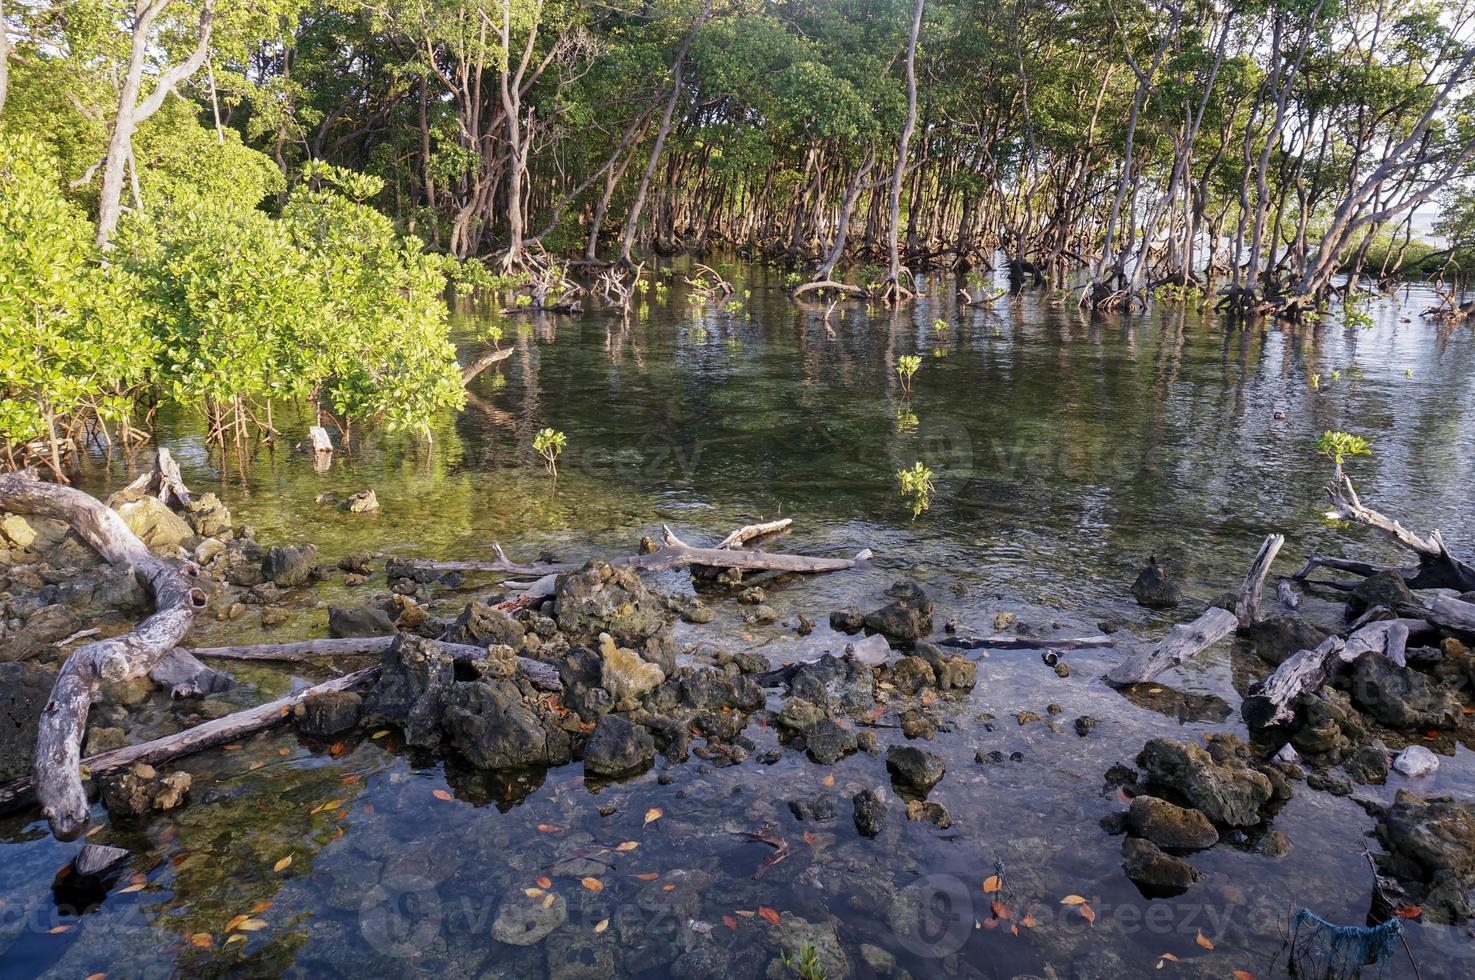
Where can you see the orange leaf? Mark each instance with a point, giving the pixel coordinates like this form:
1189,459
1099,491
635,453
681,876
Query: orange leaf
768,915
545,882
336,748
809,838
1169,957
668,888
1409,912
992,884
547,828
1000,910
283,864
1203,941
593,884
1013,929
1088,914
1243,975
201,940
653,814
260,907
990,923
730,922
828,780
1072,900
54,930
648,876
441,794
352,777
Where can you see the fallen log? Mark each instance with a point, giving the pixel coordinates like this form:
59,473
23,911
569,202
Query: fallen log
64,719
541,674
1306,671
186,677
205,736
1446,611
163,481
1182,643
1025,643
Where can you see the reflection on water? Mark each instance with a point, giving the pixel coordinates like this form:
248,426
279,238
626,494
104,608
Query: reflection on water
1064,450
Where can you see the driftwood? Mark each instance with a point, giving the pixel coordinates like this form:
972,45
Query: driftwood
132,654
205,736
1272,703
542,675
186,677
738,539
1247,608
1436,568
163,481
834,285
1025,643
1182,643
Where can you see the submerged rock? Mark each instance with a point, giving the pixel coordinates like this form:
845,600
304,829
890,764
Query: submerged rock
359,621
1386,589
1432,842
1154,872
1154,589
1276,639
363,502
913,769
1401,697
869,812
1228,791
329,713
158,527
618,747
525,920
24,691
1169,826
290,567
414,681
141,790
817,807
495,728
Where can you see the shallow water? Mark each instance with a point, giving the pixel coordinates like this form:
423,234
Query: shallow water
1065,451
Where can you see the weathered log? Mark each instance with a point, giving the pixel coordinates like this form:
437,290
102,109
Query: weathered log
163,481
1183,642
541,674
1437,568
752,532
186,677
97,859
1025,643
64,719
1287,594
1272,702
1446,611
1247,608
831,284
318,440
483,362
220,731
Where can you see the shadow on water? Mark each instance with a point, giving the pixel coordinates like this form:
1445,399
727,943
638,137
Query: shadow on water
1064,451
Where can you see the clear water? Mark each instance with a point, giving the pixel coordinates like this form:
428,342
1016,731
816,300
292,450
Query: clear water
1065,451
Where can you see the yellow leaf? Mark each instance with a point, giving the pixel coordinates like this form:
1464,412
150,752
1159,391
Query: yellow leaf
533,892
132,888
234,937
252,925
601,925
380,734
201,940
548,900
593,884
653,814
1072,900
1203,941
628,846
283,864
992,884
235,921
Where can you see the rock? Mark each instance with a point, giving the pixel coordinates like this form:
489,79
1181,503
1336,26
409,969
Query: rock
913,769
794,933
290,567
104,739
1276,639
798,715
869,812
600,598
828,742
836,686
1386,589
412,688
1327,782
951,672
208,516
1401,697
1330,728
618,747
918,723
1275,844
1437,834
329,713
903,620
753,596
158,527
34,534
481,625
817,807
208,550
1084,724
359,621
1153,589
1171,827
363,502
692,610
1229,793
910,675
931,812
170,791
140,790
1154,872
273,616
1369,765
134,690
524,920
358,563
1416,761
624,674
1004,621
761,616
847,620
495,728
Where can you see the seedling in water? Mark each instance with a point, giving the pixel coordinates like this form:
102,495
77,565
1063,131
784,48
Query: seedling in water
549,443
907,366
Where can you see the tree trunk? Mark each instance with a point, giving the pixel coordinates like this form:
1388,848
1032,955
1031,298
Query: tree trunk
901,148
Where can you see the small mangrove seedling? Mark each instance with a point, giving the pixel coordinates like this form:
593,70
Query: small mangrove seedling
1408,373
805,964
907,366
1336,375
940,326
549,443
1315,381
494,334
1342,446
917,484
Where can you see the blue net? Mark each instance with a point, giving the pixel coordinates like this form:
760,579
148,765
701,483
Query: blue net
1321,950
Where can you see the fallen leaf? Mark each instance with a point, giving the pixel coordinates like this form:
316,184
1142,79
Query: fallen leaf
380,734
252,925
730,922
768,915
648,876
283,864
1013,929
352,777
1169,957
284,751
828,780
990,923
441,794
601,925
260,907
545,882
132,888
1088,914
628,846
97,976
232,748
235,921
54,930
809,838
549,899
652,815
1203,941
547,828
1243,975
593,884
668,888
234,937
1409,912
533,892
1000,910
992,884
1072,900
746,913
201,940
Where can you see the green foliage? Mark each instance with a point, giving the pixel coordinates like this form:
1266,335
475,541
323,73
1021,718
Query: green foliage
907,366
805,964
916,483
1341,446
549,443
